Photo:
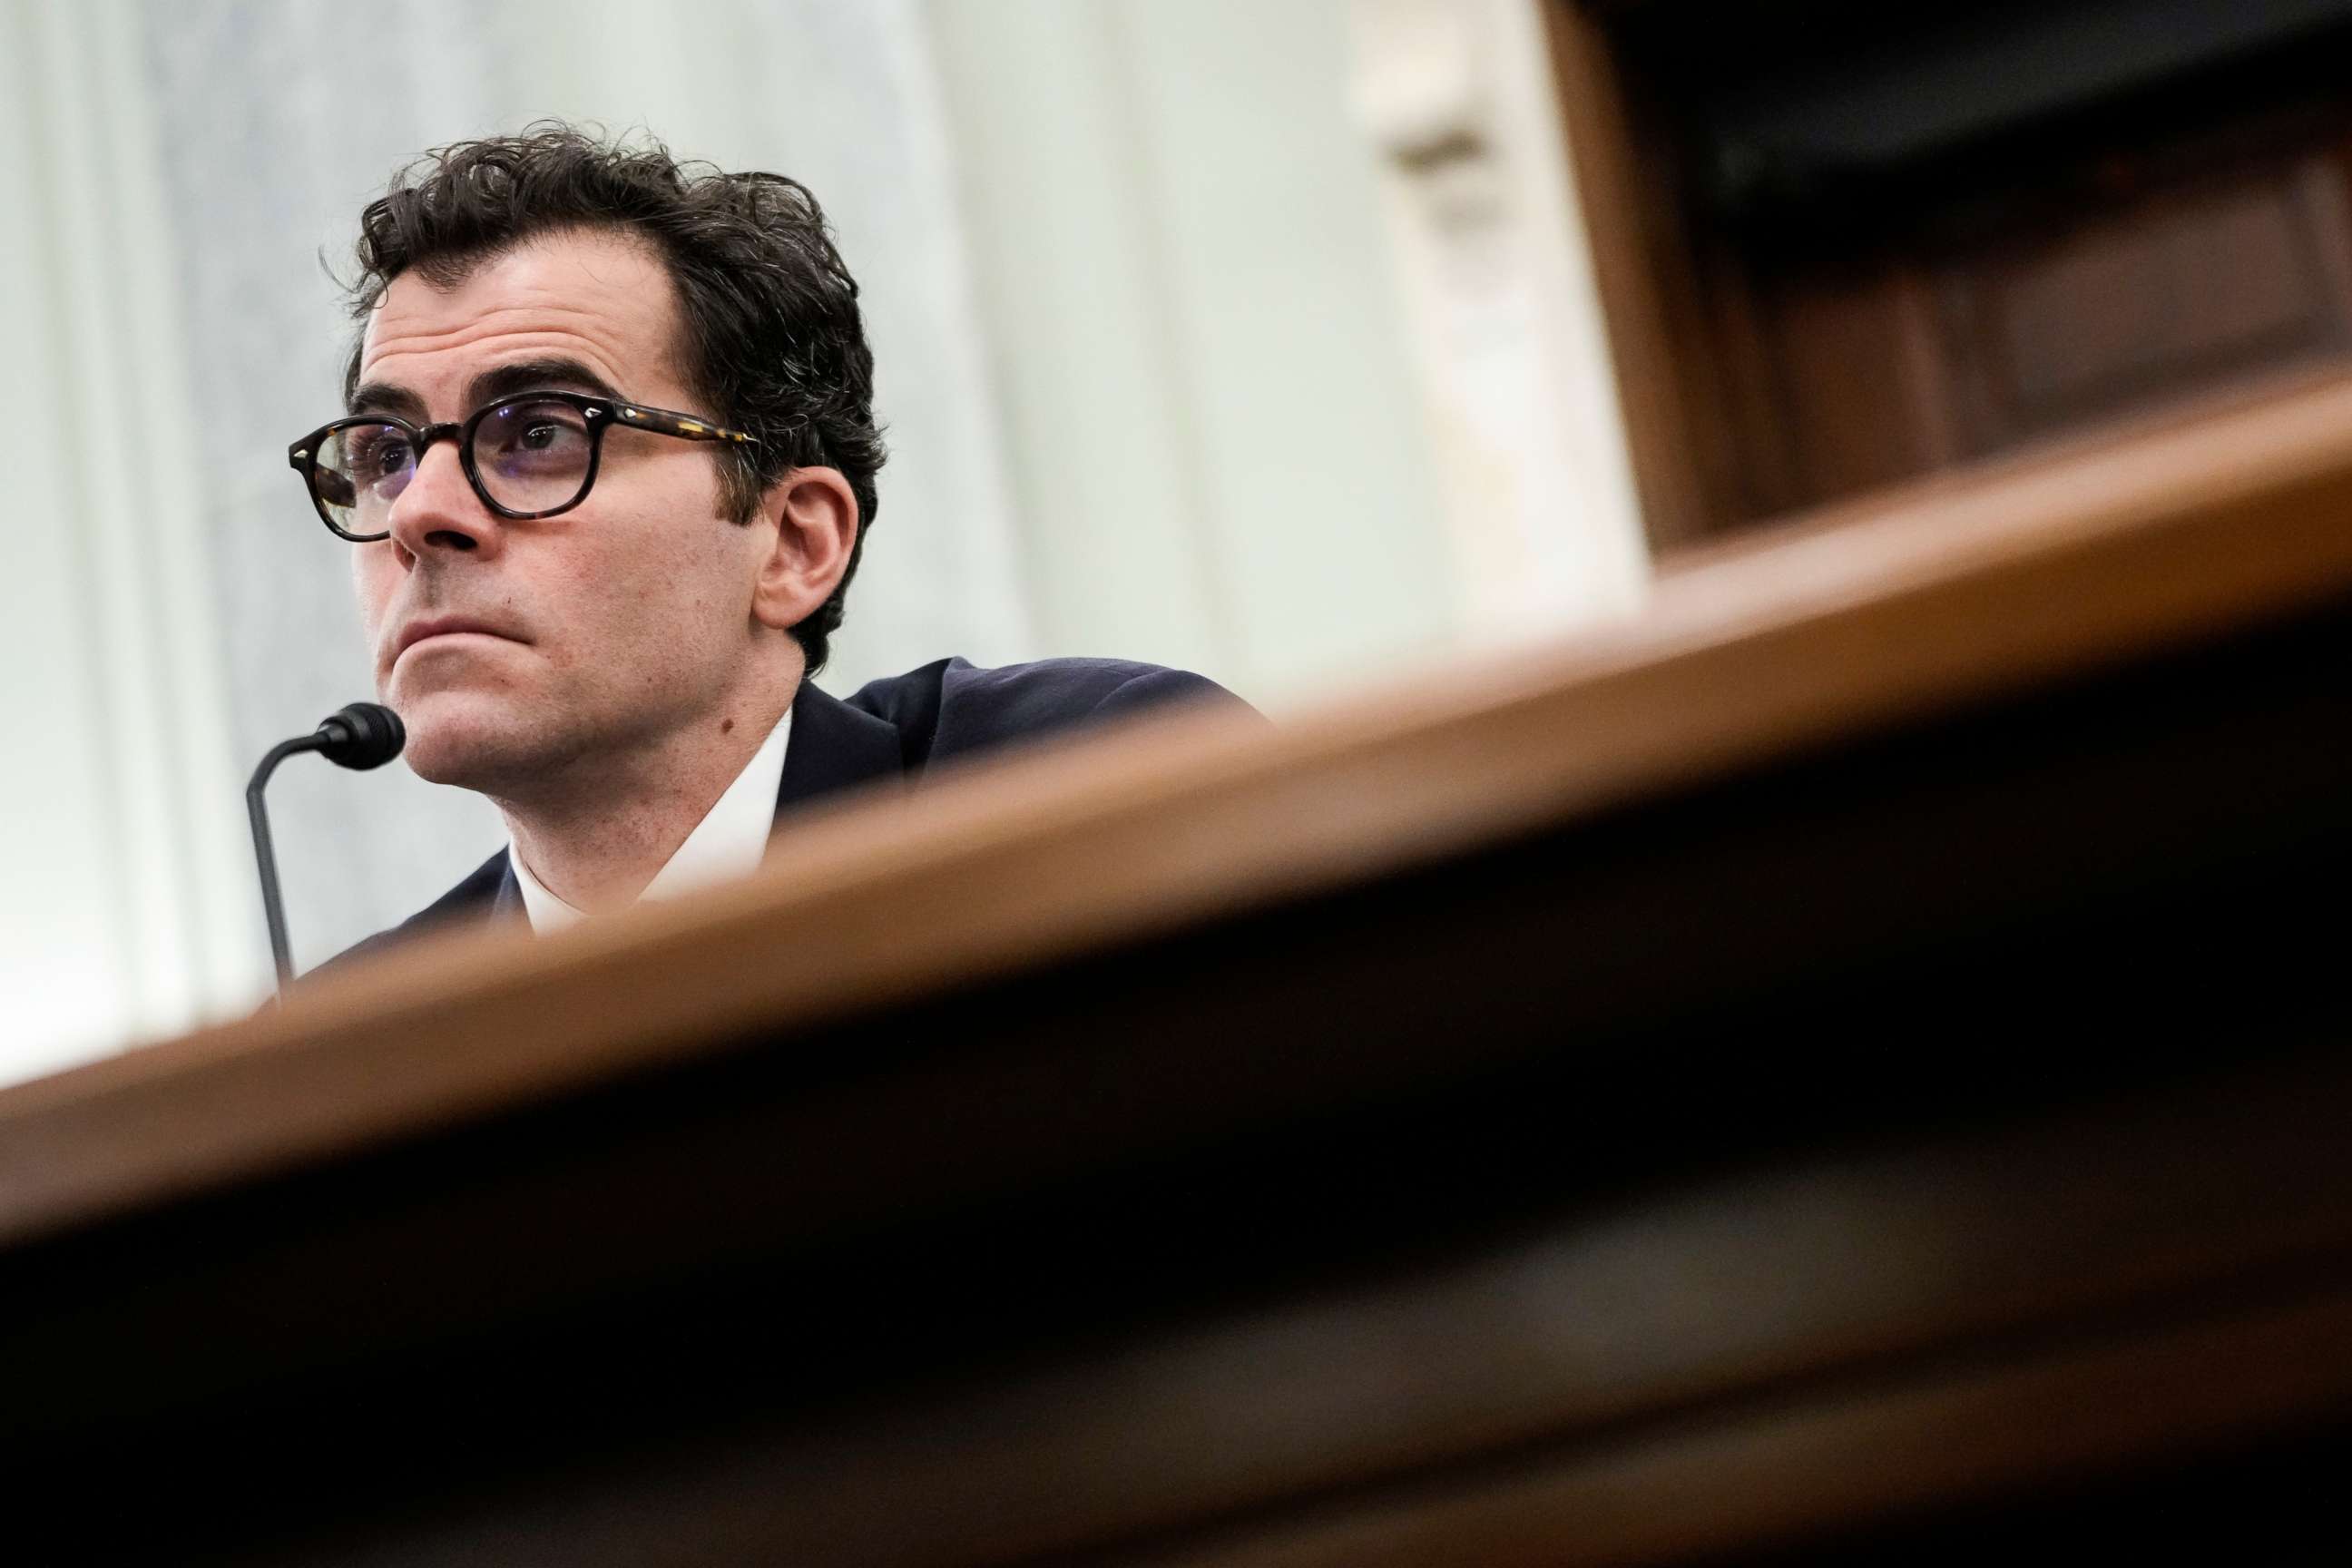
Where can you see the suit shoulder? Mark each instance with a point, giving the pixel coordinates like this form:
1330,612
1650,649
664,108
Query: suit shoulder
1054,686
470,899
958,706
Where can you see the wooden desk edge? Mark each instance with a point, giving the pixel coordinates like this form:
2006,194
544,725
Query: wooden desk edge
1946,594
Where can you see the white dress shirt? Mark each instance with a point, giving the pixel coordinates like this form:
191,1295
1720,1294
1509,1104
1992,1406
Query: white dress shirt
726,844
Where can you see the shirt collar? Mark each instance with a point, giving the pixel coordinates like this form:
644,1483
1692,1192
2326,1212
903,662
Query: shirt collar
726,844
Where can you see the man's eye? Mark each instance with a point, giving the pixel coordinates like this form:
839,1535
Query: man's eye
383,457
546,432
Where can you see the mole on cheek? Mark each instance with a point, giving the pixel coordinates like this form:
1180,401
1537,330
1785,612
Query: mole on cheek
726,725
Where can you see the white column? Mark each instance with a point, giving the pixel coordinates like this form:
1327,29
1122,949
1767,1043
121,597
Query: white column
126,910
1516,383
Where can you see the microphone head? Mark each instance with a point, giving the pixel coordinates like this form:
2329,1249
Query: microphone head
364,735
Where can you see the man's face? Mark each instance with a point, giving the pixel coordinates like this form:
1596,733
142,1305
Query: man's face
599,637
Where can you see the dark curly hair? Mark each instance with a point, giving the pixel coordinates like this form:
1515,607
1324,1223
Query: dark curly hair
771,338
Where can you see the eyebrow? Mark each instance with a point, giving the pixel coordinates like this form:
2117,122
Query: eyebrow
537,376
499,381
382,398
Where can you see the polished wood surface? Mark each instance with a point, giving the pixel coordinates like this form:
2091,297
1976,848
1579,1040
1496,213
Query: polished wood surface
1845,1046
1857,616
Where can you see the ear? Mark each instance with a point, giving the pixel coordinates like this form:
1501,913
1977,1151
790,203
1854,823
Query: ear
815,513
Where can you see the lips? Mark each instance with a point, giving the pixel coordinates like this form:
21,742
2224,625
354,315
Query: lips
416,632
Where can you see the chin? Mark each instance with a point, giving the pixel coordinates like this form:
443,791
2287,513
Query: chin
467,740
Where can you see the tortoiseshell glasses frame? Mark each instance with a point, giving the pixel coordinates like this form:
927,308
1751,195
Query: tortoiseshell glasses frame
544,451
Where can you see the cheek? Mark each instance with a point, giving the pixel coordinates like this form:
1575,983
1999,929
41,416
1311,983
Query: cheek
610,613
373,580
677,616
672,584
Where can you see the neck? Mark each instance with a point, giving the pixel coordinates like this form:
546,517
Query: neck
599,832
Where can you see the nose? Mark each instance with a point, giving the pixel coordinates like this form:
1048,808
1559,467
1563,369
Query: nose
439,513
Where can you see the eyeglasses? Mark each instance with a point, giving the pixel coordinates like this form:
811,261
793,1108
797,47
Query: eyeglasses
530,456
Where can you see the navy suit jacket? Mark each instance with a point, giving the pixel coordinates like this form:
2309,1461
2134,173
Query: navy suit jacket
890,729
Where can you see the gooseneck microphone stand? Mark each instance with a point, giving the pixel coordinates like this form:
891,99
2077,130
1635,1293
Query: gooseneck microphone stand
364,735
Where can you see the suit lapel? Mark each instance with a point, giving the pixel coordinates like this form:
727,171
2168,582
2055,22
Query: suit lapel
833,747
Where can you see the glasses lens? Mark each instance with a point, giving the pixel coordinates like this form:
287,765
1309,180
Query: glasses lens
361,470
532,454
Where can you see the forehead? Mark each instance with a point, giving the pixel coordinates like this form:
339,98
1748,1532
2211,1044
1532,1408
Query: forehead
601,297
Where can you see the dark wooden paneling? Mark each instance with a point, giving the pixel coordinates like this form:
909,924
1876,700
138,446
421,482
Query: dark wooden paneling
2160,298
1870,1102
1880,244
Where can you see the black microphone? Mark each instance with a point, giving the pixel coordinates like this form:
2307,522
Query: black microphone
364,735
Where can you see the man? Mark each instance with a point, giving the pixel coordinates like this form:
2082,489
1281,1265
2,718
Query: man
607,467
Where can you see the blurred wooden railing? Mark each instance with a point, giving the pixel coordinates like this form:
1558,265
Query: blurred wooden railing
1855,1049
